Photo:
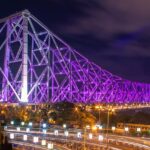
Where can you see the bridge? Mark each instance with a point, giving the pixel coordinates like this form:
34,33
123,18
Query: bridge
39,67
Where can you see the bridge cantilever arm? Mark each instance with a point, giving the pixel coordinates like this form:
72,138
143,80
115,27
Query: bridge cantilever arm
10,84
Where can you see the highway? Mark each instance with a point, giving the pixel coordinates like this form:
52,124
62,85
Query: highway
115,142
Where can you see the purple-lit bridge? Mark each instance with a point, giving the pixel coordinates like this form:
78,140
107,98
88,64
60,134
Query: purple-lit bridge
36,66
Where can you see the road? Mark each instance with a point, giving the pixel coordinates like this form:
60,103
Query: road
115,142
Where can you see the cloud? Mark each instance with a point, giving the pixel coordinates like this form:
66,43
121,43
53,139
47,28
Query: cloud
122,24
113,34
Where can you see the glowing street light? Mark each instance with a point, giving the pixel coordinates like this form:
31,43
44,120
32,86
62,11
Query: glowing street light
100,127
30,124
113,128
100,138
12,136
5,127
25,137
66,133
56,132
126,129
43,142
79,135
64,126
12,122
44,125
87,127
35,139
44,131
138,129
22,123
18,128
90,135
50,145
27,129
94,128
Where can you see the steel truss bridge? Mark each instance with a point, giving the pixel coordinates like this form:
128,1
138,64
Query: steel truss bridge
36,66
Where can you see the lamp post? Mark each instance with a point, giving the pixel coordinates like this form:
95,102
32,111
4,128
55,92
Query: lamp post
99,110
84,140
84,145
108,120
113,129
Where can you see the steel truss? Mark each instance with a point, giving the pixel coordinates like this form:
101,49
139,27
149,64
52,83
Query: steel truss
41,68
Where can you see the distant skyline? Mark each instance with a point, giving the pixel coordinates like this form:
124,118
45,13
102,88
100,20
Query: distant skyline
115,36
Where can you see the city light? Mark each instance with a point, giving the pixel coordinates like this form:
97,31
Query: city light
100,127
35,139
50,146
44,125
90,136
25,137
64,126
100,138
79,135
30,124
138,129
87,127
126,129
44,131
22,123
12,136
27,129
94,128
12,122
43,142
56,132
113,128
66,133
18,128
5,127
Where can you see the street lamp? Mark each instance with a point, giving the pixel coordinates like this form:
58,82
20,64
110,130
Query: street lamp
99,109
44,131
50,145
79,135
25,137
64,126
138,129
22,123
30,124
56,132
12,122
84,142
43,142
94,128
113,128
44,125
12,136
108,119
18,128
90,136
27,129
100,127
100,138
35,139
66,133
126,129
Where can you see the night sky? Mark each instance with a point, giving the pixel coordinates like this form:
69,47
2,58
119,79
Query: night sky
113,34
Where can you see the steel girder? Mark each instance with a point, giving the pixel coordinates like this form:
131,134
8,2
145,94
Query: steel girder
55,71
